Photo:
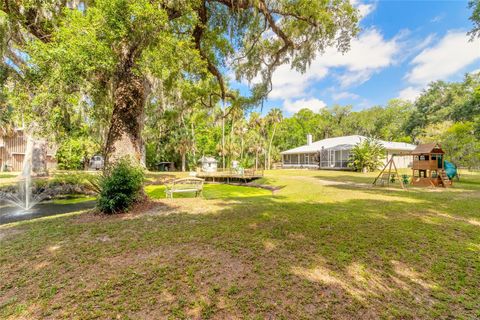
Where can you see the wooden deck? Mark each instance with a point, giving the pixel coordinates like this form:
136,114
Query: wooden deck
231,175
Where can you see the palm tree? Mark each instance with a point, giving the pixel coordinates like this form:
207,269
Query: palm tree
236,114
256,139
241,130
274,117
183,145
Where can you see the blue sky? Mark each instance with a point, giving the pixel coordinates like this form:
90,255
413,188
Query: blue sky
402,47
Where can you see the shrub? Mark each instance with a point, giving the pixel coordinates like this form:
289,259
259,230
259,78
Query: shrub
367,155
120,187
74,153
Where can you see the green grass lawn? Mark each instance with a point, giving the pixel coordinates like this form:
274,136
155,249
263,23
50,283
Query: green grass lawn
7,178
73,199
7,175
212,191
326,245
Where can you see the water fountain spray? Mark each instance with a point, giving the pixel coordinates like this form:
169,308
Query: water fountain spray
24,197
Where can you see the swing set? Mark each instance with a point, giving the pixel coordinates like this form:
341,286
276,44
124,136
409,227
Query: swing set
385,178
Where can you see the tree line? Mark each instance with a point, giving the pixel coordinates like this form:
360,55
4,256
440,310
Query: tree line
447,113
124,77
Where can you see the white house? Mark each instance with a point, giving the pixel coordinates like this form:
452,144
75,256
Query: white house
333,153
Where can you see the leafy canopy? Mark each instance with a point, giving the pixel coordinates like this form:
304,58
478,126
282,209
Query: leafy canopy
77,50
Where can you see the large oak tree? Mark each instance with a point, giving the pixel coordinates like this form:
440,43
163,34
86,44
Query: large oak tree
118,56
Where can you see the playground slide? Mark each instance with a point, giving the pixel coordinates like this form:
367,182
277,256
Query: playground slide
450,169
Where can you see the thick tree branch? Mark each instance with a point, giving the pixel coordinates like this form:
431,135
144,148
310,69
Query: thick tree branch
30,19
197,36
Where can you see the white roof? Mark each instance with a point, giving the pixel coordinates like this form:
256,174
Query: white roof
347,143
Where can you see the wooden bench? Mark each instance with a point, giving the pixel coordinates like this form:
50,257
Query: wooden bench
185,185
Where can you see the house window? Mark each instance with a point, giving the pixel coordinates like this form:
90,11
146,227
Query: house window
306,159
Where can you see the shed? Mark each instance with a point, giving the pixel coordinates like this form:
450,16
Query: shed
208,164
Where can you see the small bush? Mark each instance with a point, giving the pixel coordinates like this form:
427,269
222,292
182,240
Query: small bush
120,187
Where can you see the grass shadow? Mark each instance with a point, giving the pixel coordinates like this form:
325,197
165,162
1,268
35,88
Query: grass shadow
262,255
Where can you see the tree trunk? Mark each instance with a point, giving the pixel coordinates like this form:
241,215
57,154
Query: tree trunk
184,161
270,147
194,144
264,159
124,136
241,148
223,135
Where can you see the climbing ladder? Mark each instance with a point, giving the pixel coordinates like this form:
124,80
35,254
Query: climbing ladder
444,178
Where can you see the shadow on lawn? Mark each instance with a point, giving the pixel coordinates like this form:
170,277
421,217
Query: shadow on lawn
271,256
467,181
456,200
368,255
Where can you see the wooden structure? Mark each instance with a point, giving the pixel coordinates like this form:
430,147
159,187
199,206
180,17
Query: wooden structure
231,175
12,151
385,177
185,185
429,166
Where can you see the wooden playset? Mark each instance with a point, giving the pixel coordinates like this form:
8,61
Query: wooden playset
429,166
429,169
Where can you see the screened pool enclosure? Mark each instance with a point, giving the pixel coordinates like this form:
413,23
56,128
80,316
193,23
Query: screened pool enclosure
334,153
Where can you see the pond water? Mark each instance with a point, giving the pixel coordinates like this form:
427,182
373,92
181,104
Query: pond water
10,213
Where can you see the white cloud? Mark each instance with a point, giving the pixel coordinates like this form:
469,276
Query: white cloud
447,57
410,93
437,18
364,9
349,79
344,96
295,106
419,46
288,83
369,53
474,71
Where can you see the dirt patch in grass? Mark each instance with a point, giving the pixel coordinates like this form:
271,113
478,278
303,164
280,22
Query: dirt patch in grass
164,207
139,209
194,206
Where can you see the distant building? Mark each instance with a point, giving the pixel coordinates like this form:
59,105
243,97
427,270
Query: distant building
334,153
208,164
12,152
